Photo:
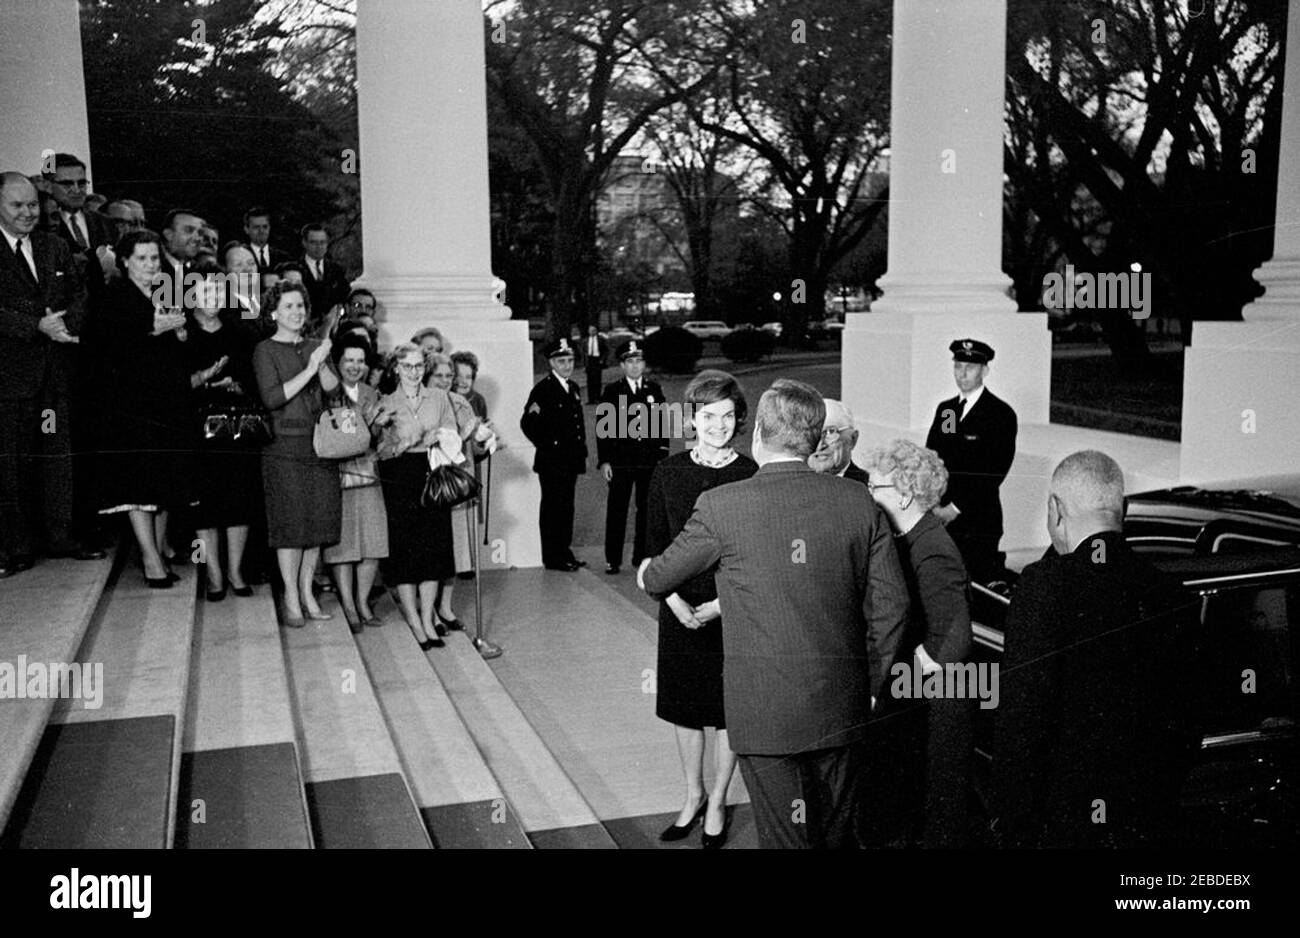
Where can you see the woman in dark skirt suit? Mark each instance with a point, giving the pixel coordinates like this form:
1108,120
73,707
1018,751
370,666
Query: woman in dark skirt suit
907,481
146,455
228,477
690,632
303,500
415,418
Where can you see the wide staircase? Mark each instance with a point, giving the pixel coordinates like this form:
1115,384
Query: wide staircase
210,726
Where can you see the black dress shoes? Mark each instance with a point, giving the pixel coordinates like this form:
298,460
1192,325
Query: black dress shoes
715,841
567,566
244,591
673,832
612,568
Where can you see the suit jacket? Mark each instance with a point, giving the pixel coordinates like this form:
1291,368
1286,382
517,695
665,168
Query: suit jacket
29,357
276,257
940,590
977,452
813,603
92,272
617,418
1092,702
856,473
554,423
325,292
587,360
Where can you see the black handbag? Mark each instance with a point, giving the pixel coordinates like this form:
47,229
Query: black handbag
449,486
234,420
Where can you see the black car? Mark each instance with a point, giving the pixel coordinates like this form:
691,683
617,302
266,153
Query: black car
1237,546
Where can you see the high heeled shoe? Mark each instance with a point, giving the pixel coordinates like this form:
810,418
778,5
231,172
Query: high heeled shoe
675,832
715,841
356,626
160,583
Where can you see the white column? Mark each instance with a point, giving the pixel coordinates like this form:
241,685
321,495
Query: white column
945,278
44,85
1239,412
423,161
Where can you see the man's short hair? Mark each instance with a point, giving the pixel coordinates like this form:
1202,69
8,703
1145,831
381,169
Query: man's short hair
12,178
284,267
63,161
310,227
790,417
1089,482
169,220
257,211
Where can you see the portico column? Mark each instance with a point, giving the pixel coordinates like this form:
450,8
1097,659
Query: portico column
44,85
945,278
1239,411
423,162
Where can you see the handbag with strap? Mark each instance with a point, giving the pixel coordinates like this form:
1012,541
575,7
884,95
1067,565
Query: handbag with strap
340,433
359,471
232,419
447,484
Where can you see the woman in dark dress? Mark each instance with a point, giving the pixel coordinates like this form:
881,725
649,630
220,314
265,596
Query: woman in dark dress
931,740
690,632
146,454
228,481
304,505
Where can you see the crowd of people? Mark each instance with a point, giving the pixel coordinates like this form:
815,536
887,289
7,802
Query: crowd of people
178,382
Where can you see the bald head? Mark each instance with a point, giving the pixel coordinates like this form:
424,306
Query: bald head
1087,496
20,206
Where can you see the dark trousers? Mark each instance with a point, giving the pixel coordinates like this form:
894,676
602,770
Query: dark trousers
620,490
555,517
594,371
984,562
35,475
808,801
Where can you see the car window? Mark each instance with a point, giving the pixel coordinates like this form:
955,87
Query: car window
1248,658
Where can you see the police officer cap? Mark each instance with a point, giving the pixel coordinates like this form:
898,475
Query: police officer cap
631,349
971,350
558,347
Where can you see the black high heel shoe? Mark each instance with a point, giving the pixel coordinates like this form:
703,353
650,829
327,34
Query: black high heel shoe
715,841
674,832
161,583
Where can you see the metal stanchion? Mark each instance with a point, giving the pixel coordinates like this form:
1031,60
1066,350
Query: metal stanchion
485,647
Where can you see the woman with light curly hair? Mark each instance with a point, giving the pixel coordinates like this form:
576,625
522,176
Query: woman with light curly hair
907,481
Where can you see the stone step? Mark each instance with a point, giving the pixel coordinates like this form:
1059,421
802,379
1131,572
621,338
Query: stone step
108,776
241,776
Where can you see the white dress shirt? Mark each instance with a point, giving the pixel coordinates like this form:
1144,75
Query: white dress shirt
26,251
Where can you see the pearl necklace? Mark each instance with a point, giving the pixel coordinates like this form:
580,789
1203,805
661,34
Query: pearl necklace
727,458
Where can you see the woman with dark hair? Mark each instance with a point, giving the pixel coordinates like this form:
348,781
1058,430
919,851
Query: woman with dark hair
147,433
303,501
466,365
228,484
363,540
690,631
932,740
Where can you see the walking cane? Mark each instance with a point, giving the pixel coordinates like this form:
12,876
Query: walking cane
485,648
485,507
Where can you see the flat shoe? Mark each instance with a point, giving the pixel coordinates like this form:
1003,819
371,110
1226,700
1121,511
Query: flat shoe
160,583
215,596
242,590
431,643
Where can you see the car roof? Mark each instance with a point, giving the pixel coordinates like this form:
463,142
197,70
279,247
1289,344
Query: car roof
1274,495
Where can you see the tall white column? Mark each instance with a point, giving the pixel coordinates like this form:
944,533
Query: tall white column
423,161
945,278
1239,412
44,85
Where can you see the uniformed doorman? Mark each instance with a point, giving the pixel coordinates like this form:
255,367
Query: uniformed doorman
975,435
628,455
553,422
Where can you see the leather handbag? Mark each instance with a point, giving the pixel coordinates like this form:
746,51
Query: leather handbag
340,433
447,484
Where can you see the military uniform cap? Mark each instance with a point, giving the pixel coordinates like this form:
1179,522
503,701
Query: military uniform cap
631,349
971,350
557,347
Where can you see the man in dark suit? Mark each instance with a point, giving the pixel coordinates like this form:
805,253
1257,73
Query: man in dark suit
84,231
834,454
974,434
257,229
327,283
181,237
595,351
630,441
1094,731
42,308
813,604
553,422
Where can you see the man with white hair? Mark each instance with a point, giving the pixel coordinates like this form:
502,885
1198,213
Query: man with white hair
834,454
1093,735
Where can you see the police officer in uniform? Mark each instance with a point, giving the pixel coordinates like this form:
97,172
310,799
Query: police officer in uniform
627,458
553,422
974,434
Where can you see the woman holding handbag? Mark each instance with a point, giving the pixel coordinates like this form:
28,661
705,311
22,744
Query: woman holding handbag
363,539
303,500
419,538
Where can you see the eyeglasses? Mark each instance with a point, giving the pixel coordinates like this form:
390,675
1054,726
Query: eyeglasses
73,183
831,433
872,486
411,366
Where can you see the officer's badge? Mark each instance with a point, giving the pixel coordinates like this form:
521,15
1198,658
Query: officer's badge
535,409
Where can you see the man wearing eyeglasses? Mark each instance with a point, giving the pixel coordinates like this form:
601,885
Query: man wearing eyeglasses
834,454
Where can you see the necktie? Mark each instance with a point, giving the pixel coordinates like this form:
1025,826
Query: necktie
74,222
320,270
261,254
961,409
26,268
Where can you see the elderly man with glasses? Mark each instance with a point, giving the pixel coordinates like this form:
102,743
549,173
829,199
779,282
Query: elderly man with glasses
834,454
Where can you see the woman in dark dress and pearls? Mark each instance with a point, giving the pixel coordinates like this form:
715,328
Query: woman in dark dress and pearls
690,631
219,356
303,499
146,457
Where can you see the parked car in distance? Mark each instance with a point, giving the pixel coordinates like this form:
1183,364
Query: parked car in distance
775,328
708,328
1236,547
